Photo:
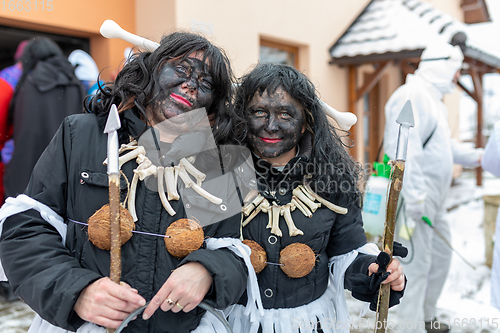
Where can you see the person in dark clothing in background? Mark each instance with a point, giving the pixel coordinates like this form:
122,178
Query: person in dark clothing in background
47,91
9,78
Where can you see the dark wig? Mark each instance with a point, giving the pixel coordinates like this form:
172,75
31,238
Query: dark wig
135,84
336,174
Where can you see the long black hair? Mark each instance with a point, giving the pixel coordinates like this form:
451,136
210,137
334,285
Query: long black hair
135,84
335,172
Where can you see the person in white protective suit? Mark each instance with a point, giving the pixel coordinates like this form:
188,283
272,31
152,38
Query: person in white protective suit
427,179
491,162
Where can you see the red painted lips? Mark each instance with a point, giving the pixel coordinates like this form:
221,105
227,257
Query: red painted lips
269,140
181,99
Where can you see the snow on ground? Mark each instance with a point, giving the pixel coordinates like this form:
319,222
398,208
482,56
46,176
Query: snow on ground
15,317
466,295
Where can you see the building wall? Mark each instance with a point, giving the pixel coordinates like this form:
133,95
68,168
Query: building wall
155,18
236,26
77,18
450,7
313,26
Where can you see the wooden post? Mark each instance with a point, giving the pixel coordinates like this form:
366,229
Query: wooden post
478,92
356,94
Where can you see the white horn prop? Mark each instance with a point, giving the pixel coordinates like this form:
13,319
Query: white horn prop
344,119
110,29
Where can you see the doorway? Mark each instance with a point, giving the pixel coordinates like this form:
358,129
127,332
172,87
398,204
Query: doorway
11,37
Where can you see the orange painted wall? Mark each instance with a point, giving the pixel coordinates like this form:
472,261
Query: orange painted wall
81,18
155,18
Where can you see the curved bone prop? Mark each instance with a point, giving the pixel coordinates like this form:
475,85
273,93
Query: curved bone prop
344,119
161,191
110,29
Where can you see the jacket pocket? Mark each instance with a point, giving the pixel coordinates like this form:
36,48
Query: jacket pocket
93,191
98,178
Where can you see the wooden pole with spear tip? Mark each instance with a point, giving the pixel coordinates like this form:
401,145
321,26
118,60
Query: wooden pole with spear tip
112,125
405,121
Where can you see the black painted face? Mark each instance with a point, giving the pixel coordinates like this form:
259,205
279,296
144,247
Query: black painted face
184,86
276,123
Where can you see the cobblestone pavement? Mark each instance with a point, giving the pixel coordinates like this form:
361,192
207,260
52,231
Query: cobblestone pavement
15,316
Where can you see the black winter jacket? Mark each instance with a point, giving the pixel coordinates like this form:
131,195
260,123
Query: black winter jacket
326,233
71,179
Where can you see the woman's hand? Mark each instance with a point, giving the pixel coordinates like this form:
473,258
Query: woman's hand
184,290
106,303
396,278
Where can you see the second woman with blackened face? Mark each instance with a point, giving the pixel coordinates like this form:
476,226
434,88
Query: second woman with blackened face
291,217
276,123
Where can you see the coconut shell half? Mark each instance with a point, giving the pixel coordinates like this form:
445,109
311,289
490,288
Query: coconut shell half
258,257
297,260
186,236
100,227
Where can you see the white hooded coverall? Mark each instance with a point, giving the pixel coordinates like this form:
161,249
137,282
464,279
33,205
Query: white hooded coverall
427,178
491,162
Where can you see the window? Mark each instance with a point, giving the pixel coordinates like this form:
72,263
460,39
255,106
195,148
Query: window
279,53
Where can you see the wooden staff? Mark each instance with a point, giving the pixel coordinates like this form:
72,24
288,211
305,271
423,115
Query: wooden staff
405,120
112,125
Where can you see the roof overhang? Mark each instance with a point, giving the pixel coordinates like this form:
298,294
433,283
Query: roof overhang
401,29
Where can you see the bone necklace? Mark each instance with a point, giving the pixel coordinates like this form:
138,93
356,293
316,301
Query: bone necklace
166,176
303,198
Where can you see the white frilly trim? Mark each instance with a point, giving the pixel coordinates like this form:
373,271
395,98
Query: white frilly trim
42,326
243,251
209,322
254,309
330,309
23,203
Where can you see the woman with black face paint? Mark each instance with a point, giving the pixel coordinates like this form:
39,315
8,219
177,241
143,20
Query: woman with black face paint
303,216
165,99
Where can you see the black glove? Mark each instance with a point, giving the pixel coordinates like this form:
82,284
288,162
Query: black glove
399,250
366,288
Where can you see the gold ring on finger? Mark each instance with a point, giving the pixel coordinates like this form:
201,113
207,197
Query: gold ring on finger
180,306
169,301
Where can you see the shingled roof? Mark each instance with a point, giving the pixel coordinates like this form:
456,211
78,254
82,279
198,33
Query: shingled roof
401,29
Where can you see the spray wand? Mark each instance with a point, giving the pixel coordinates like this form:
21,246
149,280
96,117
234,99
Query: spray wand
429,223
